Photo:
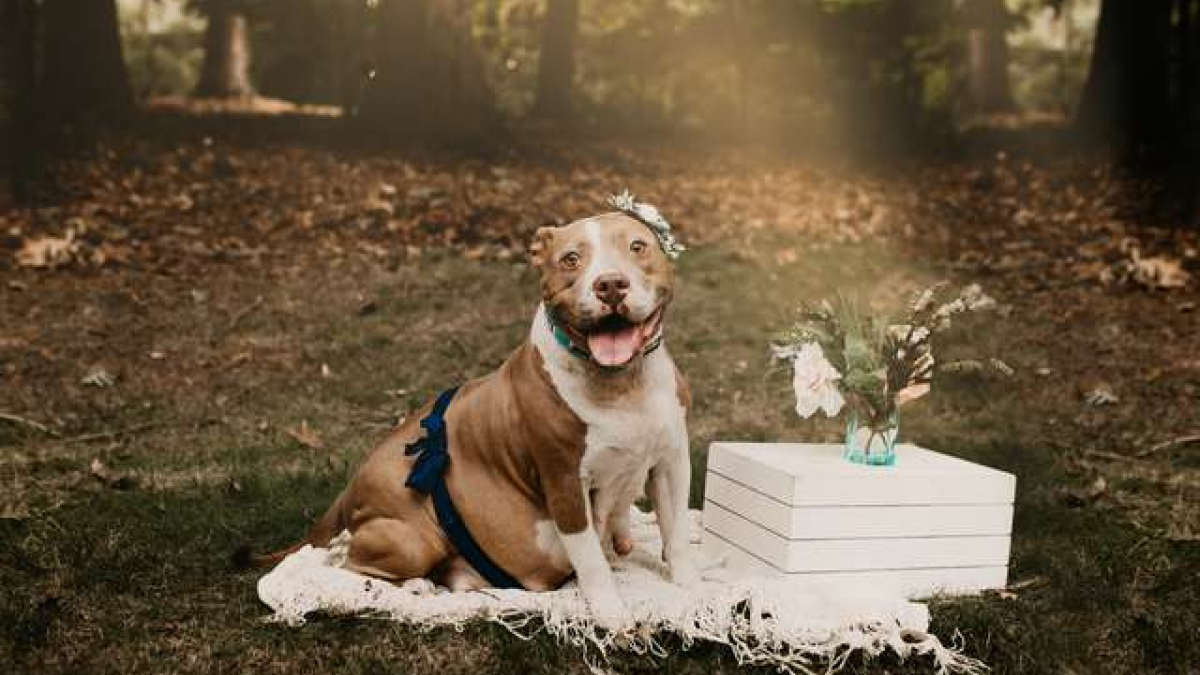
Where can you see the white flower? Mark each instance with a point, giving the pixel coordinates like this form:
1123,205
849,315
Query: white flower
976,299
651,218
785,352
815,382
951,308
900,331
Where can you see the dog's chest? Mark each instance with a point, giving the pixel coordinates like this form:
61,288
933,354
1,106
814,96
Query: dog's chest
624,441
628,435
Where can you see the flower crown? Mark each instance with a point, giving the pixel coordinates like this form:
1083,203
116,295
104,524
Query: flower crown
651,218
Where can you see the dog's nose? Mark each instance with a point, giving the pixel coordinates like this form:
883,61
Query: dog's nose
611,288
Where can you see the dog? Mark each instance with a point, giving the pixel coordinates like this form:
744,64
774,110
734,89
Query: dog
541,460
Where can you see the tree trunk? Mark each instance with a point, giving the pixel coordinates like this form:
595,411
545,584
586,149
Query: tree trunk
1188,39
1127,98
83,71
226,69
428,81
556,61
18,53
988,57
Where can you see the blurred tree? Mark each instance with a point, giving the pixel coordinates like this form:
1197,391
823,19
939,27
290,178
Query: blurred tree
890,59
426,78
226,69
18,26
83,69
1127,96
1189,71
988,23
556,61
164,46
312,51
1141,96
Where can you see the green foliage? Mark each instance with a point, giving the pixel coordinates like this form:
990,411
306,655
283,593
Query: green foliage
1052,55
162,45
874,71
313,51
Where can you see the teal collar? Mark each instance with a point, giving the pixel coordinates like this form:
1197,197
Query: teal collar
564,340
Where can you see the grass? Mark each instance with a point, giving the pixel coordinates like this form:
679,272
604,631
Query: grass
96,580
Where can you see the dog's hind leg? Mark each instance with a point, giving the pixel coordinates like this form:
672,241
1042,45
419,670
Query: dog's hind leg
393,549
457,574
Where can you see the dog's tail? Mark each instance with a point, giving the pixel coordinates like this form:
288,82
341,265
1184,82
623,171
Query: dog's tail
321,532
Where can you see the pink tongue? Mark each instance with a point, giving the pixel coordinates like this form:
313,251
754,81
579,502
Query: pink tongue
615,348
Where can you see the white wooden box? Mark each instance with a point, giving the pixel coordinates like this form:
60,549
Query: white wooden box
930,524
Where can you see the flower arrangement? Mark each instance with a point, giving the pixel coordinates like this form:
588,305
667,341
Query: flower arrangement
872,365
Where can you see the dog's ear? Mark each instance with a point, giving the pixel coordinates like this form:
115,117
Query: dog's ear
539,248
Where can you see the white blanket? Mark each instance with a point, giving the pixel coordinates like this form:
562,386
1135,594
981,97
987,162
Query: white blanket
763,620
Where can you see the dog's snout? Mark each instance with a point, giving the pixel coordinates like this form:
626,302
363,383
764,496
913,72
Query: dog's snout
611,288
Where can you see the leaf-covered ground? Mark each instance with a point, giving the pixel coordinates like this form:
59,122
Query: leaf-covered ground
198,340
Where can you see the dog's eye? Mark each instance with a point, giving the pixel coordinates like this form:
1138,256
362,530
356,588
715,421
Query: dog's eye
569,261
637,246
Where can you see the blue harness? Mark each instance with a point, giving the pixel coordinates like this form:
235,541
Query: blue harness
428,477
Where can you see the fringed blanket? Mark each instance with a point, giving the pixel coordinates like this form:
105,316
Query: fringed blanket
763,620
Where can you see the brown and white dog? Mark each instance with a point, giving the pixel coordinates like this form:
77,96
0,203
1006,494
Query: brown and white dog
548,453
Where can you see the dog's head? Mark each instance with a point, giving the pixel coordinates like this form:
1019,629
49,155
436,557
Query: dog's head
606,282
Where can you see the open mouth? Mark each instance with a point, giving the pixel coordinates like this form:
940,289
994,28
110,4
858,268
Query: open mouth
614,340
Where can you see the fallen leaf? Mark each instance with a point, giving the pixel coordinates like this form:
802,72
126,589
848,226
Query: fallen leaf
98,377
1083,496
377,205
110,478
17,511
1154,273
1160,273
1101,395
43,252
305,435
366,307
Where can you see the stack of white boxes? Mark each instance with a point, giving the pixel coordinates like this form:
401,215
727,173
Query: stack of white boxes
930,524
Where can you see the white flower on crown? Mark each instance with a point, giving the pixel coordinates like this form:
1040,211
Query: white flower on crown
651,218
815,381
